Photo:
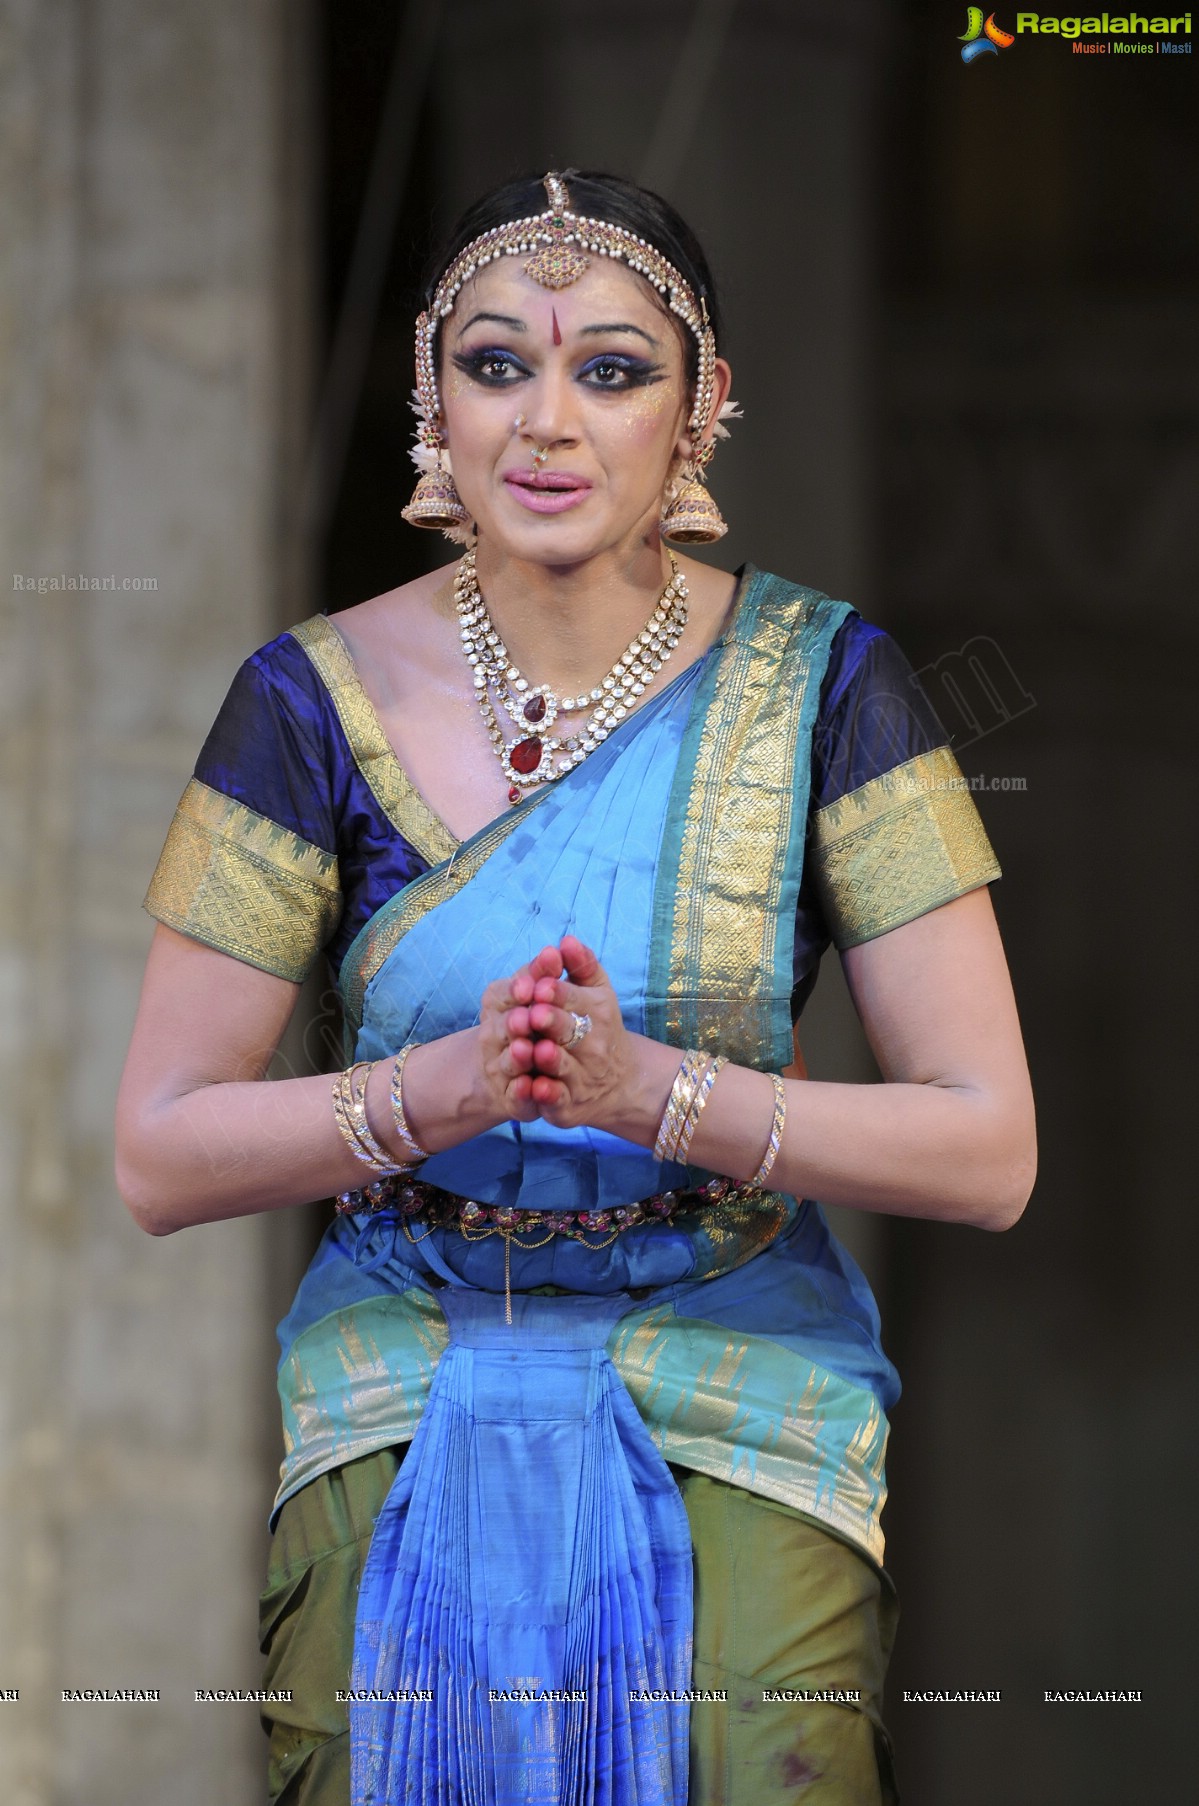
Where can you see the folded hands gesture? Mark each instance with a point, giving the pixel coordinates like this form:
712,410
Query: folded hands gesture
553,1040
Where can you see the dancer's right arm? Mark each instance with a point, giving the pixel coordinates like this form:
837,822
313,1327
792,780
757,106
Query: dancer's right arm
201,1133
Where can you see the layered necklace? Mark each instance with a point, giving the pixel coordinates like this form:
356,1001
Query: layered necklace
539,753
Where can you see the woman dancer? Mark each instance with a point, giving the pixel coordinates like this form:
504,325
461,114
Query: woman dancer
584,1409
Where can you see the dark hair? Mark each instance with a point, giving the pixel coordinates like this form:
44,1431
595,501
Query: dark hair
601,196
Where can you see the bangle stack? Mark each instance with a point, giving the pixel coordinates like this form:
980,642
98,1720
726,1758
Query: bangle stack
349,1110
692,1088
690,1092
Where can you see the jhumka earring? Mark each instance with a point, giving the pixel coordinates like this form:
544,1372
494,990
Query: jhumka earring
436,503
690,515
435,500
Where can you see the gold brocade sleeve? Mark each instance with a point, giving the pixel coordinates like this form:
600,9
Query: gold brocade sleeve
898,846
244,885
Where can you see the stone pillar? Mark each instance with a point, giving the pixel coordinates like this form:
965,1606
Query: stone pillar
152,319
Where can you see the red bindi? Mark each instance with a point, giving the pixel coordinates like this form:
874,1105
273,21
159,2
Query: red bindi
557,333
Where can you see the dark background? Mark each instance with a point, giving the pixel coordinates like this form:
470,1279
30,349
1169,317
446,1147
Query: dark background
961,316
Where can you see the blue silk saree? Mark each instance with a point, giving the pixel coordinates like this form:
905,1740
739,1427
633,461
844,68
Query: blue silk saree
523,1628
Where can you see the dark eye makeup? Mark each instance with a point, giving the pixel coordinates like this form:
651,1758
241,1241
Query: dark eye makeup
618,370
610,370
493,368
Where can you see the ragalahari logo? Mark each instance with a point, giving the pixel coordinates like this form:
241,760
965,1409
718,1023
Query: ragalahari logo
983,38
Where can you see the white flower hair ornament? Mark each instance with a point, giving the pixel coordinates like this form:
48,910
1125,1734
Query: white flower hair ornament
427,452
730,411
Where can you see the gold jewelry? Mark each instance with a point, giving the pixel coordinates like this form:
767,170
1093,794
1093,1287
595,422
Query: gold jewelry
555,245
408,1141
676,1105
436,503
349,1111
703,1091
560,241
690,1092
689,515
776,1132
420,1205
534,708
428,1205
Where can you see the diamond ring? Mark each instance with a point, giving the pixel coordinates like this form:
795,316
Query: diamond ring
582,1027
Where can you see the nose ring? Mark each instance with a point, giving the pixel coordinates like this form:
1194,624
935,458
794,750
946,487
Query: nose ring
540,452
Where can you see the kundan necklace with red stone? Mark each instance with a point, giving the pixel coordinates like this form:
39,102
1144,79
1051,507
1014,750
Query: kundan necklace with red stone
538,753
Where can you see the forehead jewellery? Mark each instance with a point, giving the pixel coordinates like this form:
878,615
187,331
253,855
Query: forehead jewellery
541,750
556,247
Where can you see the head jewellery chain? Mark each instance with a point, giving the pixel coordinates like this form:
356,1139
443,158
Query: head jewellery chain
557,246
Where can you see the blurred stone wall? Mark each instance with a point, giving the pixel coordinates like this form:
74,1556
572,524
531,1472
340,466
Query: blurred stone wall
152,349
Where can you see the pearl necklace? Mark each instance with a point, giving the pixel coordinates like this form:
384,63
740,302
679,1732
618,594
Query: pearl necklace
539,753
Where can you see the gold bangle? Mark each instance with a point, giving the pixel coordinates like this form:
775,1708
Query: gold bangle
408,1141
349,1088
776,1131
342,1103
381,1158
692,1086
349,1111
703,1091
672,1116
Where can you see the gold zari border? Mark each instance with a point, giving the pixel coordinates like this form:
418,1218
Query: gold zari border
380,1403
698,1419
242,884
897,846
737,830
393,789
737,1229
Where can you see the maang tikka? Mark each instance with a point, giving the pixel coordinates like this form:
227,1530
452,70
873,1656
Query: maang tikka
556,246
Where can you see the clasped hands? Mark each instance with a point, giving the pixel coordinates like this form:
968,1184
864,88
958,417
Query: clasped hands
517,1066
525,1022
